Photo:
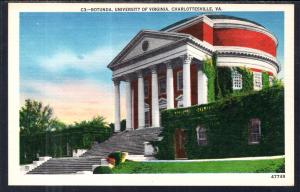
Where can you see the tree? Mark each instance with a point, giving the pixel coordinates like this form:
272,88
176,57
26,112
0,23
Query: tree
94,124
122,124
34,117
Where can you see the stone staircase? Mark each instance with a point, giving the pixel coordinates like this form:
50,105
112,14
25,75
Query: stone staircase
129,141
66,165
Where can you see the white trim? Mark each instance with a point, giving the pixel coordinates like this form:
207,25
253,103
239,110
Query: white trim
197,53
248,62
238,49
146,63
117,107
129,104
141,101
139,36
170,86
201,18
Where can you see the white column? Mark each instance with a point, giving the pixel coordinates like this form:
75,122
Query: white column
170,86
155,105
141,101
186,80
202,85
128,105
117,106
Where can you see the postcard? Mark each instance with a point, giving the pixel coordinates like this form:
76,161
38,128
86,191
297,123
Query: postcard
122,94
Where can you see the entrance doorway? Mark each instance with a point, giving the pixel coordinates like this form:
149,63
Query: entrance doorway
179,141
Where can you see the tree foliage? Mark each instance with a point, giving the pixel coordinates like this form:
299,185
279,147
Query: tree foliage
122,124
97,122
35,117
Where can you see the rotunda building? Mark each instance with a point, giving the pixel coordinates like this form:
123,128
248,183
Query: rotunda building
164,69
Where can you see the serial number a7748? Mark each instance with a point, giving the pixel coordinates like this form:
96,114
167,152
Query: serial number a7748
278,176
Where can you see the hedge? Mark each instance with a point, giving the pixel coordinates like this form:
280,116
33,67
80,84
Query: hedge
59,143
226,122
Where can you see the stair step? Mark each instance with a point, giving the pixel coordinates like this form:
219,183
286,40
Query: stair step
129,141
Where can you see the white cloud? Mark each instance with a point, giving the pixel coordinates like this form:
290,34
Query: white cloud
98,58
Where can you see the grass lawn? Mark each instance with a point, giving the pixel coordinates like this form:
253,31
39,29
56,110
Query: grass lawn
239,166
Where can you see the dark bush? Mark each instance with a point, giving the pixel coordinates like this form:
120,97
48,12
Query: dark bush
102,170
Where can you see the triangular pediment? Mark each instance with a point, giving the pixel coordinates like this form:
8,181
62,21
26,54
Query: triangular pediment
145,42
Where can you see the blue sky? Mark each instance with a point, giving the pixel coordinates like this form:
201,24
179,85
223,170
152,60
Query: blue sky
63,56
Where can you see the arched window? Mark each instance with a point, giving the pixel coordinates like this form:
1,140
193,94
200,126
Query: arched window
254,131
201,135
237,80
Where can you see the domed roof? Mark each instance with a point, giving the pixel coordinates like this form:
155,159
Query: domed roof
231,17
212,17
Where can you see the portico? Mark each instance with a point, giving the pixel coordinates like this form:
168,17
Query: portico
157,67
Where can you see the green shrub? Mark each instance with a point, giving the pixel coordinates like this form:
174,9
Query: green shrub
117,155
102,170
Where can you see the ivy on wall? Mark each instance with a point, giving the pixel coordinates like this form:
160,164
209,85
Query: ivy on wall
223,82
265,79
247,77
226,122
209,68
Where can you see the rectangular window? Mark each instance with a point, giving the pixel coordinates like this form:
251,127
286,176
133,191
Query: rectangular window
237,81
146,88
201,135
254,131
162,85
257,80
179,81
271,80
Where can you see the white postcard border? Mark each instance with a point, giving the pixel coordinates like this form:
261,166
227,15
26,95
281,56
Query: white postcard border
224,179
